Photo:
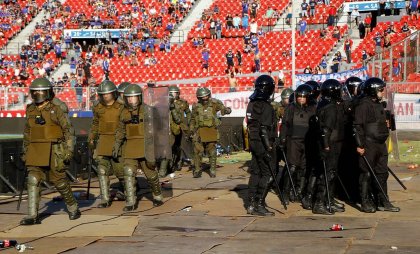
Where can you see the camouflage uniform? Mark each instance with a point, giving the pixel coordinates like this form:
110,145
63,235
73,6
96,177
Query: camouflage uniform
102,132
48,142
183,108
203,126
130,139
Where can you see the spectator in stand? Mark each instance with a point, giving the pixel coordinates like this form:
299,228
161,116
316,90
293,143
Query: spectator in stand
233,82
245,7
362,29
324,64
254,41
229,22
414,6
147,61
304,9
73,64
205,65
405,28
336,63
229,59
205,54
216,9
387,40
336,33
168,46
348,43
254,8
378,42
396,67
317,70
307,70
67,40
150,45
312,5
106,68
281,79
200,42
368,22
289,15
236,21
219,27
332,13
152,59
257,60
355,16
239,59
327,2
57,49
302,26
390,29
212,28
253,27
245,21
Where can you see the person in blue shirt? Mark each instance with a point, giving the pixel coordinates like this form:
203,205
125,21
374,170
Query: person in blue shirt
143,46
302,27
254,41
57,49
378,42
168,46
245,7
245,21
151,45
162,45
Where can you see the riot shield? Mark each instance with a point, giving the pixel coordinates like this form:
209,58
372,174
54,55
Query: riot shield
156,123
345,93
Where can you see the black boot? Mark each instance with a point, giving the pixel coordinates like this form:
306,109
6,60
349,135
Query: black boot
307,201
385,205
251,205
197,173
335,208
104,205
261,210
367,204
129,208
321,208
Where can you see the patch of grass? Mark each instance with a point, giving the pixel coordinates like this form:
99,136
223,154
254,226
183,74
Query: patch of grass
409,152
10,136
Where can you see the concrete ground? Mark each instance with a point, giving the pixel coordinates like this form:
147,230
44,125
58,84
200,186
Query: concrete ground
207,215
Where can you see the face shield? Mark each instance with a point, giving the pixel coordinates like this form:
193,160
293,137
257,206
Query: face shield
107,98
301,99
205,99
39,96
175,95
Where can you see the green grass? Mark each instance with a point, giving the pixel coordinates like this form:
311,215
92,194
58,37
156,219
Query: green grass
409,152
11,136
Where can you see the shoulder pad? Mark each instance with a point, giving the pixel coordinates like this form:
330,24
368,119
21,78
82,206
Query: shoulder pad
30,107
63,106
95,103
214,100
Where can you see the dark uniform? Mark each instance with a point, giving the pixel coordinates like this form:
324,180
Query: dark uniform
262,124
203,127
330,114
371,132
294,132
130,141
102,133
48,143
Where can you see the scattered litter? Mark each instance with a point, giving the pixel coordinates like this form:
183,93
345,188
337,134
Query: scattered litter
187,208
337,227
394,248
406,179
172,175
214,232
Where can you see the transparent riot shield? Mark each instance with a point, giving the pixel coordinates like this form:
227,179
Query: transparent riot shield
156,123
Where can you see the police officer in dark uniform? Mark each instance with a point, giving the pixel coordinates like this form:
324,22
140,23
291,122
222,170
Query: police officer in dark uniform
371,132
294,132
316,91
261,127
330,113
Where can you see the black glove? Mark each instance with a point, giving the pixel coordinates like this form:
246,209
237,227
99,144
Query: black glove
324,153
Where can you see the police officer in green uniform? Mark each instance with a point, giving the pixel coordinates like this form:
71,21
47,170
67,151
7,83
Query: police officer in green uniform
121,88
101,138
203,128
183,108
130,137
48,142
174,132
279,107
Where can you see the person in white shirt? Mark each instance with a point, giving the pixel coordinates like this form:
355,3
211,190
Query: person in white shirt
253,27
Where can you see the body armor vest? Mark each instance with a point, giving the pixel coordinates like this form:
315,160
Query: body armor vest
377,131
108,123
134,133
300,124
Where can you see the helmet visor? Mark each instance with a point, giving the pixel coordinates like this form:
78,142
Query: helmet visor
39,96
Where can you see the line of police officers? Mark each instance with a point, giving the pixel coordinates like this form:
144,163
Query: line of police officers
320,133
316,126
117,139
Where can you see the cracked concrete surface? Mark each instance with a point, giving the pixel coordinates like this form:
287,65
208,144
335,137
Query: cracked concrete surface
207,215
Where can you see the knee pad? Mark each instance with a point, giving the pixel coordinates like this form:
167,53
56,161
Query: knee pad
128,171
33,180
102,171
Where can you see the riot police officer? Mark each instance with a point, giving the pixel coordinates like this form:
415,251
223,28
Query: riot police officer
262,123
279,107
330,113
130,137
316,91
48,142
294,134
352,83
203,128
121,88
183,108
371,132
174,132
101,138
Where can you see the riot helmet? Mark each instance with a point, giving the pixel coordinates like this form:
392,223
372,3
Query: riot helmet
374,87
316,89
302,94
285,95
352,84
203,95
133,96
41,90
174,92
107,92
264,88
121,88
331,90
